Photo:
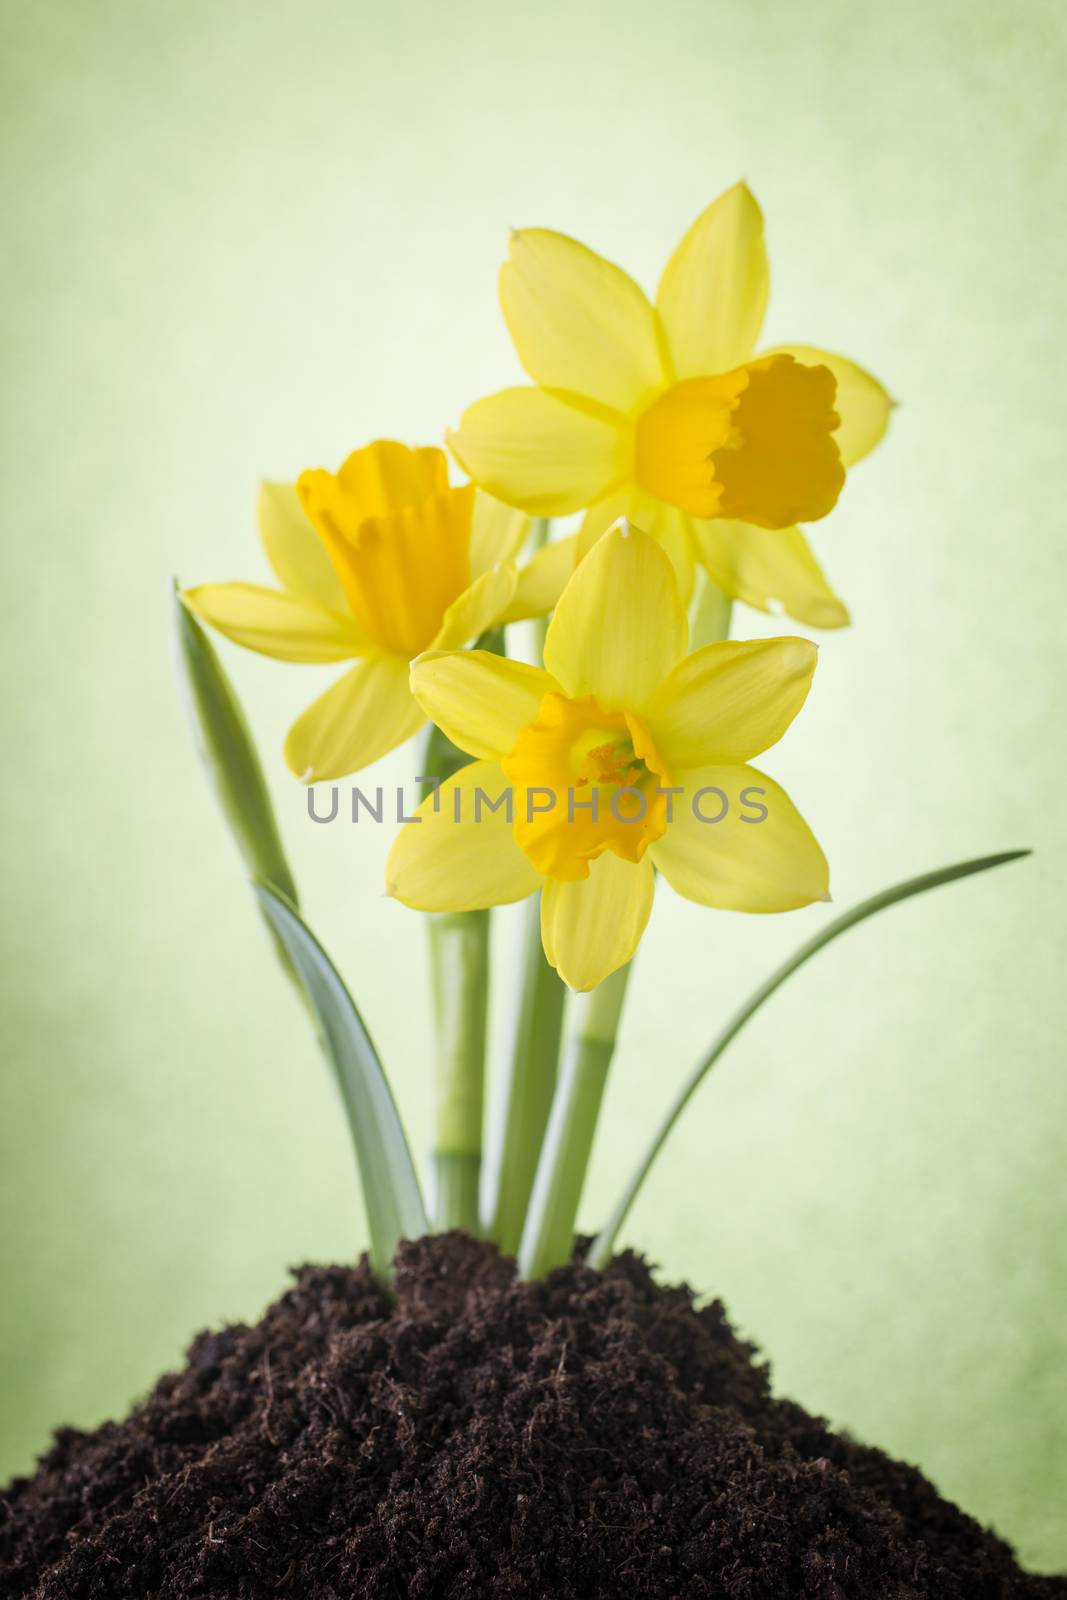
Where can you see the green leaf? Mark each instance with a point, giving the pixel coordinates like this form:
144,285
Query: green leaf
227,751
390,1185
601,1249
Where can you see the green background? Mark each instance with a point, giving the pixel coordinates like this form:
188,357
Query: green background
244,239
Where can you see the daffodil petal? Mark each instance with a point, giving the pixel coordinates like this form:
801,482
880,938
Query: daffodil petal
729,701
276,623
759,855
543,579
542,452
578,322
863,405
591,927
713,292
441,864
367,712
771,569
295,550
664,523
480,700
382,477
619,626
602,516
671,530
479,607
498,533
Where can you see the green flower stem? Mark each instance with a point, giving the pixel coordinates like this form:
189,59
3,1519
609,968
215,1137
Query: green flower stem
548,1237
459,967
542,530
530,1069
709,618
532,1058
456,1184
459,964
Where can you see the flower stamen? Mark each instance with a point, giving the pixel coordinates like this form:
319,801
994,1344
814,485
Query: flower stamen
605,777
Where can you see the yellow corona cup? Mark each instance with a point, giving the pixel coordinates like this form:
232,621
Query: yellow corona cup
623,755
378,562
666,414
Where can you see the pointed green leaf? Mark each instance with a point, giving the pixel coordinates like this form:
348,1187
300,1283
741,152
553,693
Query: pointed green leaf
227,751
391,1191
600,1251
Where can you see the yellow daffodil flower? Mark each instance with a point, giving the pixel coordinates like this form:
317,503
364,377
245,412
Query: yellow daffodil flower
664,414
623,755
377,563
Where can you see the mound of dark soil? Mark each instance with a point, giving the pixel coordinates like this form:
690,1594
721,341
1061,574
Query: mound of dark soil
594,1435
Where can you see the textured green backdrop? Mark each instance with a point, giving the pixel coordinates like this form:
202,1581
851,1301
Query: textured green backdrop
244,239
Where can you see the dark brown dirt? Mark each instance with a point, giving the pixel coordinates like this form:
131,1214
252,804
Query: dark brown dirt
589,1436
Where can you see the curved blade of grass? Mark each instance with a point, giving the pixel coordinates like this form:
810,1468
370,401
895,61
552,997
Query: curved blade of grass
227,751
229,756
600,1251
391,1190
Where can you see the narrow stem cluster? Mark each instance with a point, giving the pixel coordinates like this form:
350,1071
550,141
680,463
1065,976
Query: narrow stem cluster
528,1085
548,1235
459,965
